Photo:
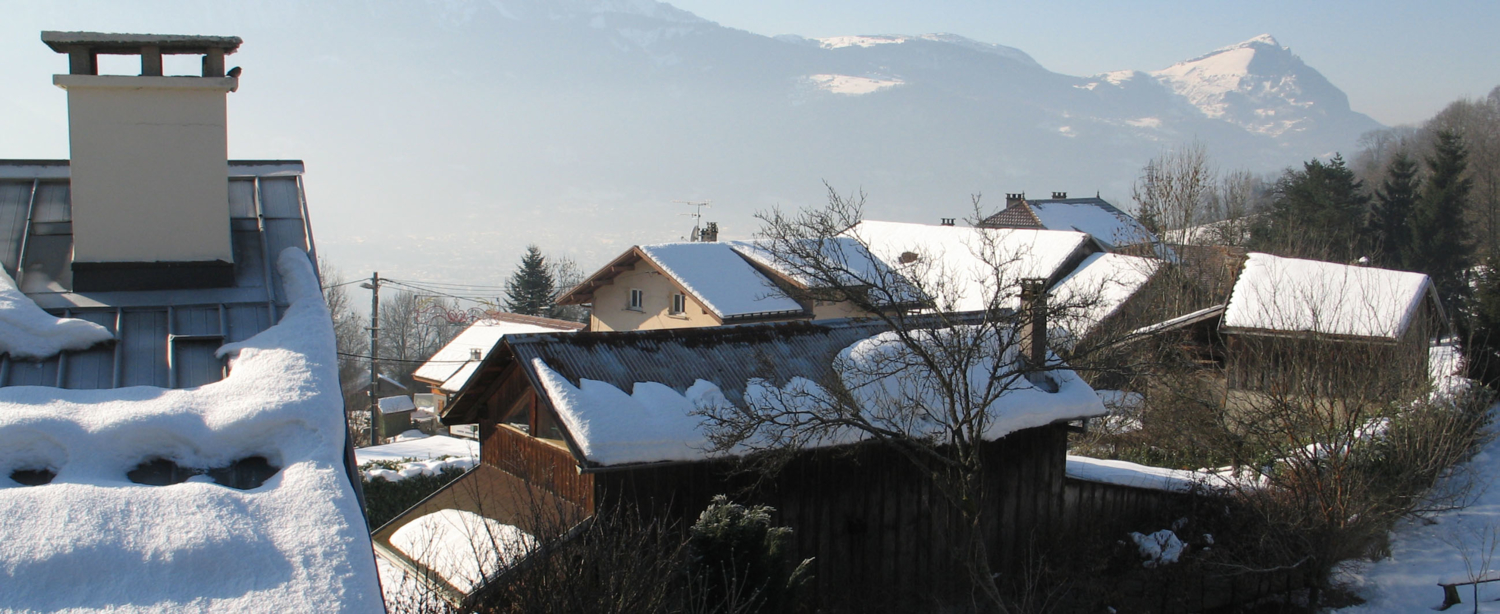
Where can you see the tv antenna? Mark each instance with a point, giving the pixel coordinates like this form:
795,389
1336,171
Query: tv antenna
697,214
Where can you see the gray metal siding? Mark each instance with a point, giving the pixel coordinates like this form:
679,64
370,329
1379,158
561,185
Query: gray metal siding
15,201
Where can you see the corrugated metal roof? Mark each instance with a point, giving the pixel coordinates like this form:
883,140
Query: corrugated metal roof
164,338
727,356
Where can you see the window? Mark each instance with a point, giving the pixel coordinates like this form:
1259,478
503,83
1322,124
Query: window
679,304
637,300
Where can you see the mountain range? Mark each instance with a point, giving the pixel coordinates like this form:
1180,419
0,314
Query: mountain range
576,124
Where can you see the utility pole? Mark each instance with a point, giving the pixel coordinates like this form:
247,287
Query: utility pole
374,287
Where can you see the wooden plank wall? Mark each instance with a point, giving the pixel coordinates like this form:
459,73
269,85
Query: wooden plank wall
880,532
1090,507
537,462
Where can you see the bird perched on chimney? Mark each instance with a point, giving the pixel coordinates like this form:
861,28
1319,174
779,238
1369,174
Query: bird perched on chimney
235,72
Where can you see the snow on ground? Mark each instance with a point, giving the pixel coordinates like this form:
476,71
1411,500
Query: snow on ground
1423,554
1159,548
28,332
839,42
1291,294
92,540
720,278
462,547
851,85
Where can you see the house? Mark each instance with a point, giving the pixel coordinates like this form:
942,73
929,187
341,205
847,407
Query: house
172,435
1113,228
963,265
1364,316
1288,319
450,368
396,413
602,419
708,283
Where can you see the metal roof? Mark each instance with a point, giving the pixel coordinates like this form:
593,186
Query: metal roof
164,338
727,356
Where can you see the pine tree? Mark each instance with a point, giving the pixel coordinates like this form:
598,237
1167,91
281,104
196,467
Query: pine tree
1394,201
530,289
1318,213
1440,244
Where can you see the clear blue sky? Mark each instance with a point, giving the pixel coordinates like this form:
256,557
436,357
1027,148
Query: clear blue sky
1399,61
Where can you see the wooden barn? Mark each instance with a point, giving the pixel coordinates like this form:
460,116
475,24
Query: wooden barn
602,419
1290,319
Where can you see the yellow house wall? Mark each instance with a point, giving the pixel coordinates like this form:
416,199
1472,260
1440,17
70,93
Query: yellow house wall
611,303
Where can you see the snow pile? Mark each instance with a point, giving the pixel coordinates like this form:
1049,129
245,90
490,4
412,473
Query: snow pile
717,275
463,548
453,365
961,265
1290,294
1098,288
420,447
1121,473
1458,544
415,468
1446,370
92,540
851,85
1159,548
28,332
656,423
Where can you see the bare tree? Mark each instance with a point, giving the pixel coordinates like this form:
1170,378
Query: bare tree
935,388
352,339
412,328
1175,189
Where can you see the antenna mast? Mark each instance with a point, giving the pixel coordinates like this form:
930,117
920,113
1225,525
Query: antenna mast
697,215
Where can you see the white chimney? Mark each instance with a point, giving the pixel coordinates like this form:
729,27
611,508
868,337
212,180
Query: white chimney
150,168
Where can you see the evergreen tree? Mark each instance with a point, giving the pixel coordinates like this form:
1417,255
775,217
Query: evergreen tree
1317,213
1481,334
1394,201
1440,244
530,289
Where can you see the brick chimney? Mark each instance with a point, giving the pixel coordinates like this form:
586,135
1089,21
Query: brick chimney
948,221
710,232
1059,195
149,169
1033,337
1012,199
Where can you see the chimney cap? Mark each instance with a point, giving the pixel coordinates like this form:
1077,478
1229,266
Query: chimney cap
131,44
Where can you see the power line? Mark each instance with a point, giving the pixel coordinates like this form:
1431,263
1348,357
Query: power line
384,359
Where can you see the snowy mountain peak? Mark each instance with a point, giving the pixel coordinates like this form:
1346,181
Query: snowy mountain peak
1257,84
839,42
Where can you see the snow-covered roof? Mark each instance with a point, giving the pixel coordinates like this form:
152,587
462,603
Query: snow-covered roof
1095,216
451,367
1291,295
846,253
631,397
1099,287
398,403
167,338
720,278
92,539
463,548
421,448
1121,473
963,260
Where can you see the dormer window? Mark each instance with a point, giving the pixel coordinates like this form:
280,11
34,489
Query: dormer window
679,304
637,300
